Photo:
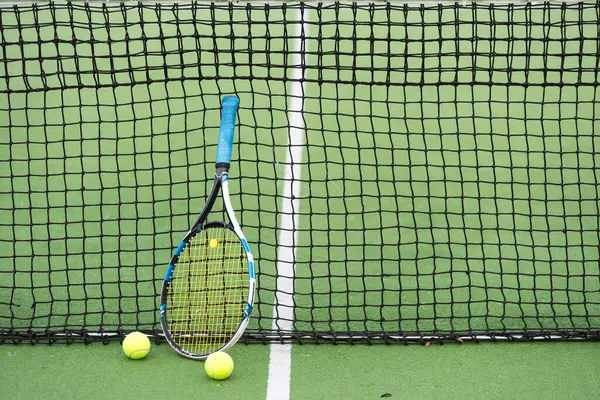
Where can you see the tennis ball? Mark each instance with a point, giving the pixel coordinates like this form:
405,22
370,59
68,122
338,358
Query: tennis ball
219,365
136,345
213,243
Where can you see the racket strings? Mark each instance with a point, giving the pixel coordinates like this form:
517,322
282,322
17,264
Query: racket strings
209,291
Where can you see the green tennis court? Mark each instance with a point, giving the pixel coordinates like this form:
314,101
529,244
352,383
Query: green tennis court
493,371
403,173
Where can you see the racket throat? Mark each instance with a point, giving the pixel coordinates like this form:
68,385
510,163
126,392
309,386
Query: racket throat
222,169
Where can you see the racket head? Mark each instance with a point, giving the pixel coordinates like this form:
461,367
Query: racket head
208,291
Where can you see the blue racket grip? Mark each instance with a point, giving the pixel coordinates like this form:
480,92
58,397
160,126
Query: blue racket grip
229,107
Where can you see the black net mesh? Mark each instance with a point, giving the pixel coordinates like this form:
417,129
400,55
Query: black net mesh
401,172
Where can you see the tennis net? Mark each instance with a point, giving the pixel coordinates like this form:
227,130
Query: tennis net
404,173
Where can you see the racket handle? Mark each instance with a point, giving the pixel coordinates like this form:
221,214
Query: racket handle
229,107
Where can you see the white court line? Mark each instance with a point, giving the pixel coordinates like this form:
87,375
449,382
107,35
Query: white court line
278,387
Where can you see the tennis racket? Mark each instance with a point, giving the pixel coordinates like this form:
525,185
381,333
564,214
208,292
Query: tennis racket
208,289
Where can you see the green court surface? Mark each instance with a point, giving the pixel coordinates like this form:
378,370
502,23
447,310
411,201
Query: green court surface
486,371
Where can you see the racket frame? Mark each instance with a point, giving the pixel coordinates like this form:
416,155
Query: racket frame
221,182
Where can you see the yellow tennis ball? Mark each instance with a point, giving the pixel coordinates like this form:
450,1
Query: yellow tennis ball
219,365
136,345
213,243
